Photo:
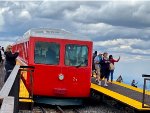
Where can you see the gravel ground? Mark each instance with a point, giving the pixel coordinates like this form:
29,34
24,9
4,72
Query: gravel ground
99,108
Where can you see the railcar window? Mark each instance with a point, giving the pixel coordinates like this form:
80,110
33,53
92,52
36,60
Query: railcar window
76,55
46,53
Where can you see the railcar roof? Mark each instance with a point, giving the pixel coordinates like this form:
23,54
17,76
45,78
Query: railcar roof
51,33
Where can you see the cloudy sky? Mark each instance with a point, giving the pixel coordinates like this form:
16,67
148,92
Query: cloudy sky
121,28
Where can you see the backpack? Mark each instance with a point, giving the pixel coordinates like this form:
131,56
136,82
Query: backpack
111,66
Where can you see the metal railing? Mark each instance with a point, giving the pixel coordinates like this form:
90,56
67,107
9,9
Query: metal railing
9,94
30,70
146,92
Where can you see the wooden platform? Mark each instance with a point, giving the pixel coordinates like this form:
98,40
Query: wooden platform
124,93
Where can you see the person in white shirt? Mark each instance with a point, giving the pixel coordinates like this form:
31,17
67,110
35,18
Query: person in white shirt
3,56
97,61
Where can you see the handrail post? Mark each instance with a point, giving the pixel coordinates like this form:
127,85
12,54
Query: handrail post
144,86
144,91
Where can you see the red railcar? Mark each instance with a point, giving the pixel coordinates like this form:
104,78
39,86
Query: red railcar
62,64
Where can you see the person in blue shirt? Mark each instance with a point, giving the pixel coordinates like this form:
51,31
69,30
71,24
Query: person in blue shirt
97,61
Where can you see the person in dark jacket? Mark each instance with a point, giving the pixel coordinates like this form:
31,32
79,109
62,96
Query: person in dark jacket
10,61
104,68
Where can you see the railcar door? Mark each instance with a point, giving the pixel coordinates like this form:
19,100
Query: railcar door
47,66
77,69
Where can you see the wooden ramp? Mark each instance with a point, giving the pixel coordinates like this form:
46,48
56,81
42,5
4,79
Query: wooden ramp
124,93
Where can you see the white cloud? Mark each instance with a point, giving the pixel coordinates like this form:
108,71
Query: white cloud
114,13
113,26
1,19
97,20
117,42
125,48
1,22
5,43
24,15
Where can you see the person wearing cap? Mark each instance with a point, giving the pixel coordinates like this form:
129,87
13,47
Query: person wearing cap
10,61
97,62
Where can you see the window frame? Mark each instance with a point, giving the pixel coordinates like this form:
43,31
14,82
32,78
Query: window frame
50,43
80,46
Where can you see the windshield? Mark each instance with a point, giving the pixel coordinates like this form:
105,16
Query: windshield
76,55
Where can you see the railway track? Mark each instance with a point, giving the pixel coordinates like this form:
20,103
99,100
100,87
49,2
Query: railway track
56,109
100,108
42,109
94,105
70,110
60,109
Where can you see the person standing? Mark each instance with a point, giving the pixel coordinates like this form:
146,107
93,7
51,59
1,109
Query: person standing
112,66
3,55
105,68
97,62
3,49
93,64
10,61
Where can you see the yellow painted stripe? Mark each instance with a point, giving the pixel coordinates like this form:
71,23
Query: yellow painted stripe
117,96
25,100
132,88
24,93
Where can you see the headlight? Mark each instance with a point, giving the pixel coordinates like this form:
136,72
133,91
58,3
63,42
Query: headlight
61,76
